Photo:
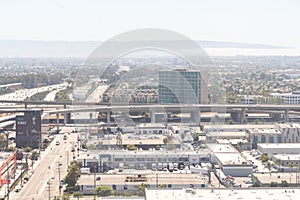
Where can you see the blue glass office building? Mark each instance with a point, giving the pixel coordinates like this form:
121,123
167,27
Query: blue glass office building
179,86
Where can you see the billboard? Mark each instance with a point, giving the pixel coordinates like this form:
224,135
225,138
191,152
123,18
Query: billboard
28,129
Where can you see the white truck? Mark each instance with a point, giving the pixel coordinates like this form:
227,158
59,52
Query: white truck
85,170
121,167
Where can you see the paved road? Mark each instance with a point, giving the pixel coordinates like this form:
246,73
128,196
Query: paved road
36,188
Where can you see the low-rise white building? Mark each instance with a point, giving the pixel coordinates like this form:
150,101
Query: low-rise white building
281,148
212,137
290,132
228,194
288,162
131,182
151,128
264,135
288,98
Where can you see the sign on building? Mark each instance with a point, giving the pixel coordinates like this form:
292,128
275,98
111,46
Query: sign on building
28,129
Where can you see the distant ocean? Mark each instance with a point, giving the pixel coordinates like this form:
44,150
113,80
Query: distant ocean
252,52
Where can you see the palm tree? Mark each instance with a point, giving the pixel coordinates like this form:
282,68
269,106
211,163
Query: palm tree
278,162
291,166
268,166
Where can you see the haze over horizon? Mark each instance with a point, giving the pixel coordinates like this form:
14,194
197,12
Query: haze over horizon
38,48
259,22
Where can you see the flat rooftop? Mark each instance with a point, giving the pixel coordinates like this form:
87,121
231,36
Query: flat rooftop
293,125
265,131
240,134
287,156
231,159
280,146
232,141
238,126
136,140
224,194
222,148
163,178
95,154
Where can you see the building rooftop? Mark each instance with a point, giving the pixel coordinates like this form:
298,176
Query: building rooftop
239,134
95,153
287,156
293,125
231,159
279,146
265,131
136,179
222,148
232,141
151,125
223,194
219,127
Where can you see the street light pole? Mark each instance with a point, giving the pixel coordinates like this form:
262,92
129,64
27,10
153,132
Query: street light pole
58,165
49,183
94,182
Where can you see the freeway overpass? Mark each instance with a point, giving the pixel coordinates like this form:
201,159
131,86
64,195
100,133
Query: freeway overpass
238,112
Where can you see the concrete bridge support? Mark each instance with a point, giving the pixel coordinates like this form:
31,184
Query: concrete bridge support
242,115
195,116
275,117
235,116
287,115
108,119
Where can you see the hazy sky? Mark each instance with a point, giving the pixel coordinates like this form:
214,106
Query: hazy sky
254,21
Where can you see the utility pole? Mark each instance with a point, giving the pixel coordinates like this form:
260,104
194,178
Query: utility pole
67,160
94,182
8,181
58,166
49,189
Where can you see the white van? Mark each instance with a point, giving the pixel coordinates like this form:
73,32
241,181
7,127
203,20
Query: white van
171,167
153,166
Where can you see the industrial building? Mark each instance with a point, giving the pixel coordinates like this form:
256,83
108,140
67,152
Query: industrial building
102,161
264,135
230,161
228,194
288,162
281,148
212,137
290,132
130,182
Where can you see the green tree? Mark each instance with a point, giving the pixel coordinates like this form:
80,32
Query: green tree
264,157
141,189
73,174
27,149
131,147
268,166
104,191
273,184
34,155
78,195
284,183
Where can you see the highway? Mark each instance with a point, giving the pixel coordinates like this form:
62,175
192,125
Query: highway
37,188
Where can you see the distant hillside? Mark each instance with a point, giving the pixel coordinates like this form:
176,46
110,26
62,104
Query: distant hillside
28,48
